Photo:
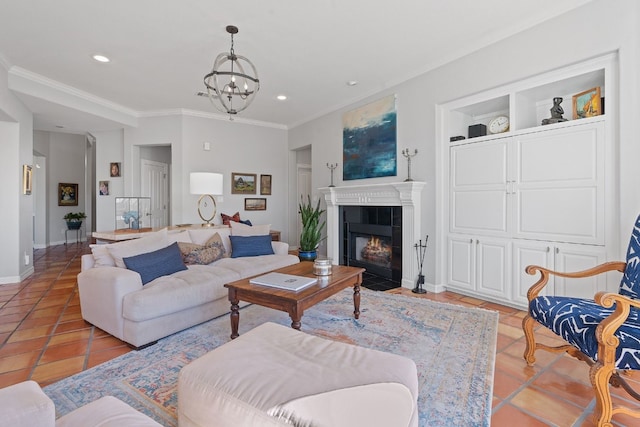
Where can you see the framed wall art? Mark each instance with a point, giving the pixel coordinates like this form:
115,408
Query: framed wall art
587,104
67,194
243,183
369,140
259,204
114,170
27,179
104,188
265,185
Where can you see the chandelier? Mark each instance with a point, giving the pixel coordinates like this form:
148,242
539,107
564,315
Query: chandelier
231,89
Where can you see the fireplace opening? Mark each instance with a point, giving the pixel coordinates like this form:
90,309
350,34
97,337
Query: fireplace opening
372,239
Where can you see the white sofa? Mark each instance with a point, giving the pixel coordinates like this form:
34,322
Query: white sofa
25,405
114,299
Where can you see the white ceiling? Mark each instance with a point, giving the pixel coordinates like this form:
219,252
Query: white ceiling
160,50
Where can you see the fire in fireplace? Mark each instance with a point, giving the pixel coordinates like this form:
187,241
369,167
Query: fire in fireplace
372,238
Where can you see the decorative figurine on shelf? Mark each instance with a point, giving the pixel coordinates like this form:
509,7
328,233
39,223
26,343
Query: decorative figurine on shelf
408,155
421,250
332,166
131,219
556,112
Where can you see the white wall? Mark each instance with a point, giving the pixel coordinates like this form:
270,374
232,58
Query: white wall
109,149
16,234
551,45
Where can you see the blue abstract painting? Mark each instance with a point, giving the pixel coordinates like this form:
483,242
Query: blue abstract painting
369,140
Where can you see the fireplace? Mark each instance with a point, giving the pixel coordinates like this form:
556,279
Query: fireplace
372,239
402,195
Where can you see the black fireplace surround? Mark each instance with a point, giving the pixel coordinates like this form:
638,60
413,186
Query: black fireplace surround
372,239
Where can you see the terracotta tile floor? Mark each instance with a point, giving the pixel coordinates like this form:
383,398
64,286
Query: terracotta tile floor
43,338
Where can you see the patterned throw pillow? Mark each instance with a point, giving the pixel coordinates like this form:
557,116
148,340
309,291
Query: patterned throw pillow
226,218
211,251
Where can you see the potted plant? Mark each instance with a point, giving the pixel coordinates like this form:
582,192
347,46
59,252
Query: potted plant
74,220
311,235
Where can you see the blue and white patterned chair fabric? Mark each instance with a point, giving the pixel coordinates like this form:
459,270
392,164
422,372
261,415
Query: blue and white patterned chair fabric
589,327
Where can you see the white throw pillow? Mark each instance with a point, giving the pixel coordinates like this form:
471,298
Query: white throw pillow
101,256
179,236
240,229
153,242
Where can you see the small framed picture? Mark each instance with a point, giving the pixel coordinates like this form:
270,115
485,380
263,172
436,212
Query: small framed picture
114,170
265,185
67,194
27,179
104,188
259,204
587,104
243,183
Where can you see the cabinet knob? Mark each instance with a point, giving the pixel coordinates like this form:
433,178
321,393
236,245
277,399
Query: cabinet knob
548,248
477,241
470,240
557,250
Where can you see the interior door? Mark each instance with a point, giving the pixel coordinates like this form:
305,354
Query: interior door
155,184
304,190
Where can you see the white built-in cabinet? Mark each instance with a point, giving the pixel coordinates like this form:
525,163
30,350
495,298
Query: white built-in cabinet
534,194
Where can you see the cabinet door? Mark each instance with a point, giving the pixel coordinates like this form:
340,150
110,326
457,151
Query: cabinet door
461,266
492,272
526,253
478,196
559,185
572,258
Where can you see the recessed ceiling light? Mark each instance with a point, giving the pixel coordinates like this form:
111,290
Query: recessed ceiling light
101,58
281,97
352,82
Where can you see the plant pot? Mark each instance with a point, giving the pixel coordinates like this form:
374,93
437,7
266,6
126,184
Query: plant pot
74,225
307,255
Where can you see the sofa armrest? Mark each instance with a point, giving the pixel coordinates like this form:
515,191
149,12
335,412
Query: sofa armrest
280,248
25,405
101,292
86,262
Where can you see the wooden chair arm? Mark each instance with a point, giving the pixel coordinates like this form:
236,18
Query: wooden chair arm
607,342
545,274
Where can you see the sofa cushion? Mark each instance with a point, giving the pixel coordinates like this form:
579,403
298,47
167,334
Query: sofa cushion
243,246
226,219
211,251
152,242
152,265
252,266
197,285
101,256
239,229
179,236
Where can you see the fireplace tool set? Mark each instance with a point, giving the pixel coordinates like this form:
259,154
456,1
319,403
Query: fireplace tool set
421,250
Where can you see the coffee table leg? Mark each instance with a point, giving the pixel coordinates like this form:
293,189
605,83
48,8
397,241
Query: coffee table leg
235,313
356,300
296,317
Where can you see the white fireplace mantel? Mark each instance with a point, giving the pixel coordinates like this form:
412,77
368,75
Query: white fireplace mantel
406,194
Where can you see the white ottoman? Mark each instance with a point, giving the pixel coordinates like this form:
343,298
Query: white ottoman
273,367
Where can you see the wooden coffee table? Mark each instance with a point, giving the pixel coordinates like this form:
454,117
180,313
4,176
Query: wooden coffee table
295,303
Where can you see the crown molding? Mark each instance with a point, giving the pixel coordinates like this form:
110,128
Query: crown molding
209,115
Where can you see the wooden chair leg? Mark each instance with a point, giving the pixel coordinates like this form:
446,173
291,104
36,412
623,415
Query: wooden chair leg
530,346
600,376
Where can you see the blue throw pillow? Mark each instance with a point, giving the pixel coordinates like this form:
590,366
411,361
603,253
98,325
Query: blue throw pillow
246,222
152,265
242,246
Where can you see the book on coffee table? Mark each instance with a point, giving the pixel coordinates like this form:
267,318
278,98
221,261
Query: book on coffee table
284,281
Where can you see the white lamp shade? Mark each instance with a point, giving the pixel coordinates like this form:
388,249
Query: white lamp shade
205,183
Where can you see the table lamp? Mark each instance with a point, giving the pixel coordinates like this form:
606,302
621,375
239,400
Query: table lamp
207,184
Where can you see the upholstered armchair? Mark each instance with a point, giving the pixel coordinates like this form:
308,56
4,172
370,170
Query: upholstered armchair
603,332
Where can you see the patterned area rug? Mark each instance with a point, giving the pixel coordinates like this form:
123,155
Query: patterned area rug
453,347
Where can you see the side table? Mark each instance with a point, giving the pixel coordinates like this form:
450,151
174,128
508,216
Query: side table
78,234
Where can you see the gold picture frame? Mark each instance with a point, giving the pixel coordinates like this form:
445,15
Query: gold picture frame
243,183
67,194
587,104
27,179
255,204
265,185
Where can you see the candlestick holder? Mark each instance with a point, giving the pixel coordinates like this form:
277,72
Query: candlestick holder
332,166
406,153
421,250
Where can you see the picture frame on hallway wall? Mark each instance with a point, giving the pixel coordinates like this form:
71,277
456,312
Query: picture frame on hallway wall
265,185
243,183
114,170
255,204
27,179
67,194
